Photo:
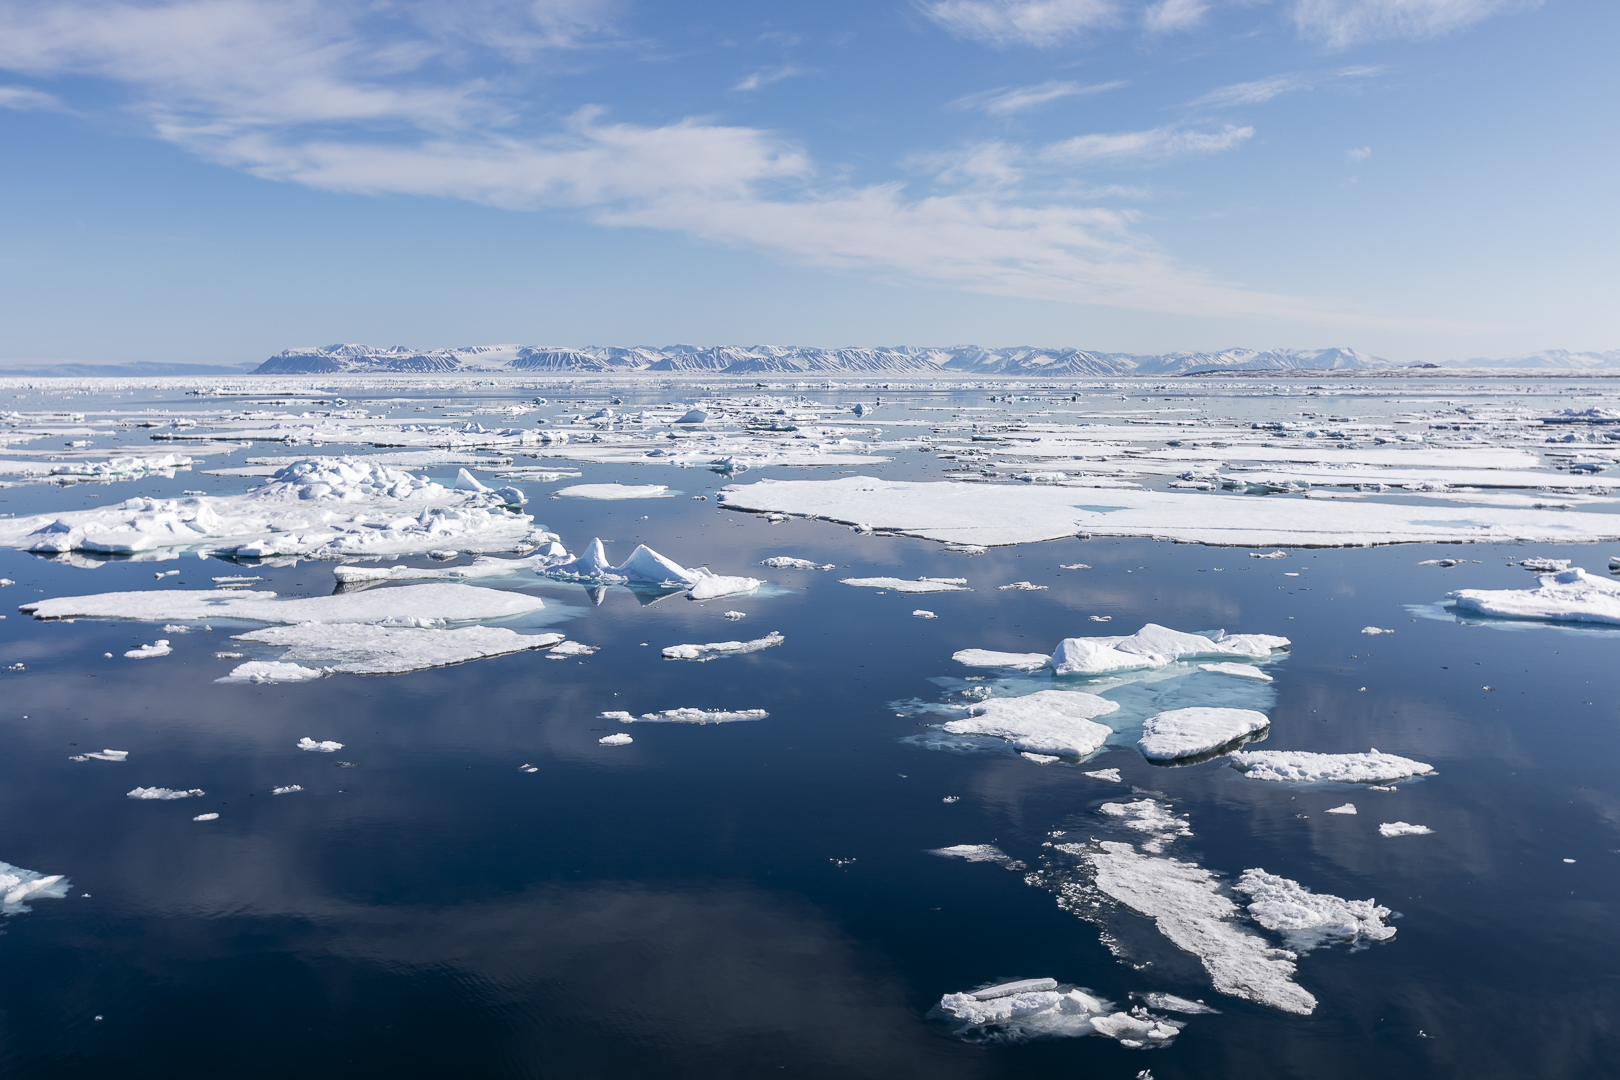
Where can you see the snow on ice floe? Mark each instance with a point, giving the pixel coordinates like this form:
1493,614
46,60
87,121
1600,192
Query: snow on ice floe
1109,775
903,585
1043,1008
973,853
164,793
271,671
160,647
1022,586
1195,732
620,738
1151,818
327,747
417,605
1172,1003
1347,808
1306,919
686,716
287,790
1567,596
991,659
1057,722
997,514
614,491
922,614
1401,828
18,886
564,649
1374,631
102,755
349,649
1237,671
716,649
206,817
786,562
313,507
1301,767
1155,646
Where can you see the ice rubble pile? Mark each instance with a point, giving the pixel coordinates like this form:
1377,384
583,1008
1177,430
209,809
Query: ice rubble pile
1307,919
313,507
1038,1008
1567,596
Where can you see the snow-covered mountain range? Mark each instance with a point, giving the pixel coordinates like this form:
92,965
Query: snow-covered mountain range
788,360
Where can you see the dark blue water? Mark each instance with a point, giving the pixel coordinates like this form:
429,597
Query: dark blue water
755,899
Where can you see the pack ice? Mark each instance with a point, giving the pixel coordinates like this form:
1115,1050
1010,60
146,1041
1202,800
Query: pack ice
1301,767
1306,919
1185,733
313,507
1042,1008
18,886
1567,596
1156,646
1046,722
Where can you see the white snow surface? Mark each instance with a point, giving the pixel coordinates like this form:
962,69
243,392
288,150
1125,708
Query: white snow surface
327,747
991,659
716,649
102,755
1038,1008
1307,919
313,507
972,853
1568,596
1155,646
1237,671
787,562
1401,828
430,605
996,514
922,613
715,586
687,716
18,886
378,650
164,793
1109,775
620,738
1182,733
1150,817
614,491
1045,722
1347,808
1302,767
904,585
271,671
160,647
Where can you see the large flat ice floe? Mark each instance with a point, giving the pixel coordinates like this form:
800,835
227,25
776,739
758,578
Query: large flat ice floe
1046,722
1302,767
988,658
1567,596
348,649
1156,646
903,585
1195,732
432,605
315,507
1308,919
613,492
997,514
1042,1008
18,886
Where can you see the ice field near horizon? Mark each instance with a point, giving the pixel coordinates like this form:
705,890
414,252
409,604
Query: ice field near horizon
1255,727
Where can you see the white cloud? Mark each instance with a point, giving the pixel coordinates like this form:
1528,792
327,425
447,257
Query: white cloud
1006,101
766,78
24,98
1359,154
1346,22
1145,147
1042,23
1253,93
1170,16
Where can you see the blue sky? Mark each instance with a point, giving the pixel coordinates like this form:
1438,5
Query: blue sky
211,181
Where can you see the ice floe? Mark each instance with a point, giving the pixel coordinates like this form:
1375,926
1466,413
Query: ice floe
1307,919
1022,586
428,605
102,755
1198,731
271,671
1109,775
18,886
160,647
972,853
1237,671
716,586
1374,631
922,614
564,649
620,738
1042,1008
1155,646
164,793
1151,818
326,747
1301,767
785,562
716,649
903,585
1347,808
1172,1003
349,649
1055,722
1567,596
686,716
1401,828
614,491
990,659
287,789
206,817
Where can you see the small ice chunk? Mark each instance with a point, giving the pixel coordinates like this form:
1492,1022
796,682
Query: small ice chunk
163,793
270,671
1439,562
1151,817
1171,1003
951,799
160,647
1347,808
1237,671
222,655
786,562
1109,775
165,573
176,628
617,739
613,491
1301,767
206,817
972,853
687,716
1375,630
104,755
903,585
714,586
1268,555
288,790
18,886
1307,919
1039,759
1044,1011
1007,989
1022,586
564,649
1546,565
1102,618
327,747
1401,828
1073,566
991,659
735,615
716,649
1183,733
921,614
1045,722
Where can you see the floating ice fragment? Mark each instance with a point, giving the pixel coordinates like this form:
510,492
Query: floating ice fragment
1268,555
686,716
165,573
163,793
1109,775
614,491
18,886
617,739
1039,759
1545,565
1155,646
160,647
716,649
1347,808
714,586
176,628
564,649
1073,566
1184,733
1440,562
1237,671
1375,630
378,650
735,615
1307,919
206,817
902,585
1172,1003
327,747
104,755
434,604
1301,767
288,790
1568,596
1102,618
972,853
784,562
1038,1008
1401,828
1045,722
1151,817
990,659
269,671
921,614
1022,586
951,799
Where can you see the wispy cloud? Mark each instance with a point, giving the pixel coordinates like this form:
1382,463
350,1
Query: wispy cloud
23,98
1346,22
1253,93
765,78
1171,16
1042,23
1145,147
1358,155
1005,101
